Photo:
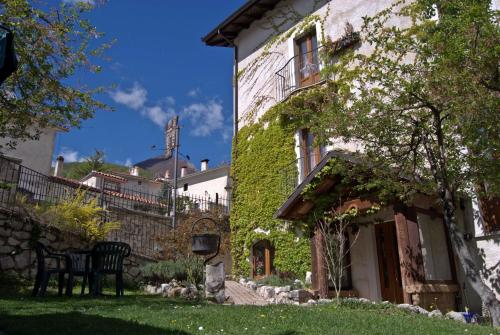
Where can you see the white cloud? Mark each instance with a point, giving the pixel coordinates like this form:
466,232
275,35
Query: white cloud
194,92
170,100
128,162
70,155
205,118
134,97
90,2
158,114
227,132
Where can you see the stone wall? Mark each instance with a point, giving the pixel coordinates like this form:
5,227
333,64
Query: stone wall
17,255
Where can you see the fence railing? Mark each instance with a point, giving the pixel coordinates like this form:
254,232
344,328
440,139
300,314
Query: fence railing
35,187
297,73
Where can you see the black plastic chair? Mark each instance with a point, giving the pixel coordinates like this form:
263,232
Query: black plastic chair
79,266
46,269
107,258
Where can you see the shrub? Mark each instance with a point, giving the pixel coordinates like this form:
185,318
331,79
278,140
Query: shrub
189,269
275,280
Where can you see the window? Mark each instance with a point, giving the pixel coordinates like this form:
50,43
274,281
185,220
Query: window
310,152
490,208
307,59
185,187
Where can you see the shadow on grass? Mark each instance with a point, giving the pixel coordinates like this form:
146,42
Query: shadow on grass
76,324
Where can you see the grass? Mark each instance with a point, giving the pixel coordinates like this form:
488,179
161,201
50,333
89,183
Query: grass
148,315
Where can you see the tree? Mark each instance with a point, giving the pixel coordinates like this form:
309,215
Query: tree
92,163
424,102
52,44
333,228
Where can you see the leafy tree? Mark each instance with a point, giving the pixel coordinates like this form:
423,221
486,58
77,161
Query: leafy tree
92,163
424,102
52,44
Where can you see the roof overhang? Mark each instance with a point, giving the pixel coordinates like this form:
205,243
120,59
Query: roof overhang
296,207
226,32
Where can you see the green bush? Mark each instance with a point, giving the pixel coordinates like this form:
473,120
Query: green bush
189,269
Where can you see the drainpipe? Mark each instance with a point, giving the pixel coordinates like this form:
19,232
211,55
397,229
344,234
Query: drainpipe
235,100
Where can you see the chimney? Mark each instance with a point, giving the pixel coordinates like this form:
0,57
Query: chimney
134,171
204,165
184,171
59,166
167,174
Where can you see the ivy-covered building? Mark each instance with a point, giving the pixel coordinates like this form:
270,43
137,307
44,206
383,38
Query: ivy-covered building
281,178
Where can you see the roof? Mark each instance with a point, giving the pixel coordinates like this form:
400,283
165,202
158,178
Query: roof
77,184
105,176
131,176
225,33
208,171
295,206
160,164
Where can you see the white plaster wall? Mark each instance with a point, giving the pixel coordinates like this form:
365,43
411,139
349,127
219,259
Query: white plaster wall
364,268
34,154
257,91
206,184
142,186
434,248
92,181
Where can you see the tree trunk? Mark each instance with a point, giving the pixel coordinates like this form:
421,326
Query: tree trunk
465,257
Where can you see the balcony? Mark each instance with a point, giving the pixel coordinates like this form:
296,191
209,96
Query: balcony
297,170
300,71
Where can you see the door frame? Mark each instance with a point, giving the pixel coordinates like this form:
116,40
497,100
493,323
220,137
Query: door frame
268,259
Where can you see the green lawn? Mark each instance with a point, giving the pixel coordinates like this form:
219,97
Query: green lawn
147,315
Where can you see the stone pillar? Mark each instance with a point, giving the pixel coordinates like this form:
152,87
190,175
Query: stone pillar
409,250
214,282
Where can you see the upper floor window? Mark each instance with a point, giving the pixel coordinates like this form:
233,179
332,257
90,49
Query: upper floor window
307,59
311,153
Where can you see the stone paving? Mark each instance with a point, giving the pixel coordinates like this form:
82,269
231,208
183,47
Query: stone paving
242,295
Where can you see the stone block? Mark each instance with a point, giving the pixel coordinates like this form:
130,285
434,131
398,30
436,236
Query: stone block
21,235
6,263
301,295
5,232
287,288
435,314
174,292
133,271
6,249
267,292
13,242
2,241
16,224
50,237
28,227
457,316
22,260
25,245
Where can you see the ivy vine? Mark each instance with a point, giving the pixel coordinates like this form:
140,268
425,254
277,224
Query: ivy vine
265,148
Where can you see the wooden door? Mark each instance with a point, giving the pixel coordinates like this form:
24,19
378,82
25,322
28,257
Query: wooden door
308,62
262,259
388,262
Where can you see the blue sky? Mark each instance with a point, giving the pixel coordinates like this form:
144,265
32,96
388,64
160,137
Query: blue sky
160,68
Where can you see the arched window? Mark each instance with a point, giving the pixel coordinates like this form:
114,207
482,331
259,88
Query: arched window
262,259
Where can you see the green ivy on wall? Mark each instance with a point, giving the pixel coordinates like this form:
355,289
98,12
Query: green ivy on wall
264,149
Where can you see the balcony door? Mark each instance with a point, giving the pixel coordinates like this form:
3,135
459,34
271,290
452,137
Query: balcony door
311,153
308,63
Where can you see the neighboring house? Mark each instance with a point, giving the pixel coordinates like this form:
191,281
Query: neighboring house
209,186
406,258
34,154
123,182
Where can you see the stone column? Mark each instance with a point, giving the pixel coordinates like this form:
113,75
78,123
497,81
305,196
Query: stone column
214,282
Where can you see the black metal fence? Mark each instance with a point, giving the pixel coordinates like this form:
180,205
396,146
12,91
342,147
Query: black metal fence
17,180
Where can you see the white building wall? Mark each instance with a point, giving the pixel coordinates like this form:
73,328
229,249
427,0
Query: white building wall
257,84
364,264
204,187
34,154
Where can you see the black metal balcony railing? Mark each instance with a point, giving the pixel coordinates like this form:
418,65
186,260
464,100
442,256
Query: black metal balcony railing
297,170
299,71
